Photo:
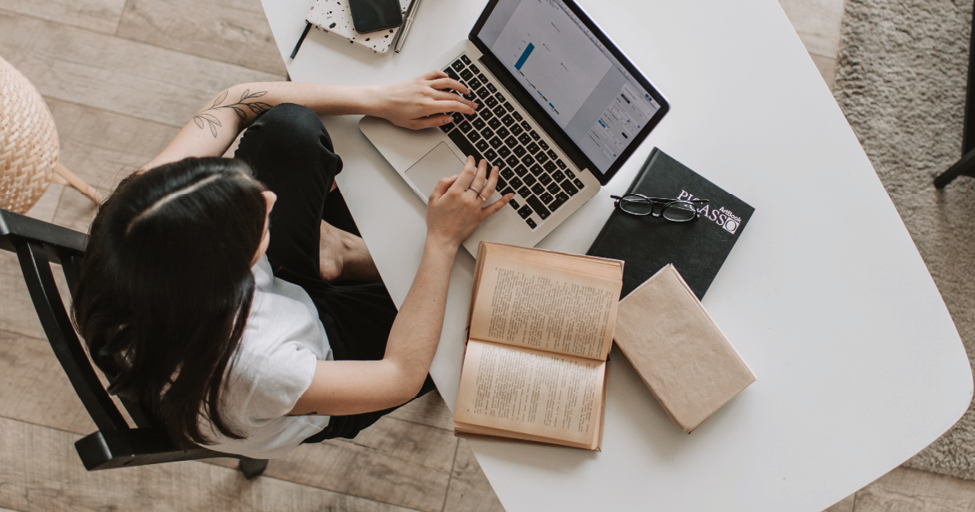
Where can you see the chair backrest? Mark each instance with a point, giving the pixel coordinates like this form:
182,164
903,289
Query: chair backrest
38,244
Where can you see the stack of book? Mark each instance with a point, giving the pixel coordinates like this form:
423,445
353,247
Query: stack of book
334,17
542,323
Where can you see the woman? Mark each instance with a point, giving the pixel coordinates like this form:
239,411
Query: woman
251,343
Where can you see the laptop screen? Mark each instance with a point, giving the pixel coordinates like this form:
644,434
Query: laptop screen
572,75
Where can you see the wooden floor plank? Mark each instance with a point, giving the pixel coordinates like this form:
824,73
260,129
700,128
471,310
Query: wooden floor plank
429,447
429,409
34,388
234,31
40,471
904,490
818,24
357,470
414,476
469,489
102,147
844,505
98,15
114,74
827,68
16,312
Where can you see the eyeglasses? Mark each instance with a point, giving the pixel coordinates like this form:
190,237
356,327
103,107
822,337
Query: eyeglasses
674,210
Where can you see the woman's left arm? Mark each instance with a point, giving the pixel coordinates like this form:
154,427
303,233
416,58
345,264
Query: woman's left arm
417,103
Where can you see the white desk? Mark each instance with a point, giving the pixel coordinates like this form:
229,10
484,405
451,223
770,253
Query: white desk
859,365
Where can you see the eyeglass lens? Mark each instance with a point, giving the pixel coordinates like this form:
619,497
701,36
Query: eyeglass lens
679,212
636,205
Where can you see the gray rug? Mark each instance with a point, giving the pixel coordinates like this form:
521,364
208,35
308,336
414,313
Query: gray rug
901,83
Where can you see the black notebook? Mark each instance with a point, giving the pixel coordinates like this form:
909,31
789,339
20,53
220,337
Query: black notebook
697,248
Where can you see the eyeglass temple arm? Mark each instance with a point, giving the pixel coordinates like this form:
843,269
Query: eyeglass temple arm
663,199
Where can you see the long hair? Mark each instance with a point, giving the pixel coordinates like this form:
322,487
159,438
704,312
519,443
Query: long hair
165,288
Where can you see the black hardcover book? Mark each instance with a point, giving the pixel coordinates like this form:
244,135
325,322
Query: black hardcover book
697,248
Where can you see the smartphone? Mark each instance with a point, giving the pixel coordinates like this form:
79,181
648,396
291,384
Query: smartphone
373,15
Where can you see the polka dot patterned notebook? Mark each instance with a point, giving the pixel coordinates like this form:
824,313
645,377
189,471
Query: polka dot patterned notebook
334,17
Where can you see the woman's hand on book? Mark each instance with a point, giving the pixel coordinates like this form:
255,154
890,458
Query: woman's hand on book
421,102
459,203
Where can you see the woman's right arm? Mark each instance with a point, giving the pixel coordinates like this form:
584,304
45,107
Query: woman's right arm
415,103
351,387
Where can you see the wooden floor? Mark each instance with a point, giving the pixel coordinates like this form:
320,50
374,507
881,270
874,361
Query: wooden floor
120,77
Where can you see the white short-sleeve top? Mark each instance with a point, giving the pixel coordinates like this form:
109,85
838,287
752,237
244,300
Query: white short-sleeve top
275,363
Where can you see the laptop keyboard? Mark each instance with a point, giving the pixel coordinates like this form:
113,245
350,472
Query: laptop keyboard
497,132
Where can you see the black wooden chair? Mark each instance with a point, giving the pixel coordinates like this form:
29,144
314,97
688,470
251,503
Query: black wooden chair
37,245
965,166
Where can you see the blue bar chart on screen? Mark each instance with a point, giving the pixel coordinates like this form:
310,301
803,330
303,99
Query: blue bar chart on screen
524,56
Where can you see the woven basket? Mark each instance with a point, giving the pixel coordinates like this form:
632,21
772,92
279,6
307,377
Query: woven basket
28,142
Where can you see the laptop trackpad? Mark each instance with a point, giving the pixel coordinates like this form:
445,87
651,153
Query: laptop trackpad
436,164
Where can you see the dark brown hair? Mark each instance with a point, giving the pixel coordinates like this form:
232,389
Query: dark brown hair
165,288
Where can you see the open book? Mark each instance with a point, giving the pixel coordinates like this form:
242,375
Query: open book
541,328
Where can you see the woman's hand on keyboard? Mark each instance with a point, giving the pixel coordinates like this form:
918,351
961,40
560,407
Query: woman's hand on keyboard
459,203
421,102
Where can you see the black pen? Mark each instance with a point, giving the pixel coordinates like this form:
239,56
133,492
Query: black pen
301,39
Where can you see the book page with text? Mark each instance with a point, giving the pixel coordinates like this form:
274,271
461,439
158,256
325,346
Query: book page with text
519,390
547,301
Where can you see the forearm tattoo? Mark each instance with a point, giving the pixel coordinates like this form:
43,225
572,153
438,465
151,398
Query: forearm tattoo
247,100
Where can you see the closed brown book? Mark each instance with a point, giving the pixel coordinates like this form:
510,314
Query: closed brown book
678,350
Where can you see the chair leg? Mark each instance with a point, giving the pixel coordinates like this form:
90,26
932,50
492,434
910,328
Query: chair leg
78,183
252,468
964,166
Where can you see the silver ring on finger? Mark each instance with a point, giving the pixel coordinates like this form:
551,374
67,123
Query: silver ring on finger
483,199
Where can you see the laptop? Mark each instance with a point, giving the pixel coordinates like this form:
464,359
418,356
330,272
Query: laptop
560,111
